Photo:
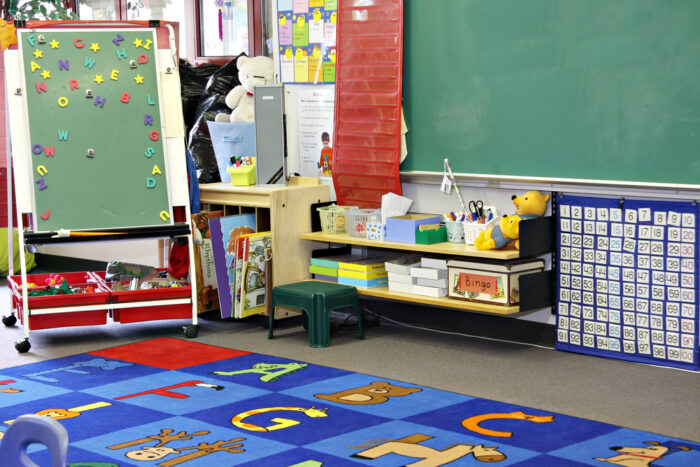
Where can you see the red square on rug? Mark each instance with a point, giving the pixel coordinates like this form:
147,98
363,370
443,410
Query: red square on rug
169,353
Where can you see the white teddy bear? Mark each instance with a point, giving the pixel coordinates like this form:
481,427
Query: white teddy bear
251,72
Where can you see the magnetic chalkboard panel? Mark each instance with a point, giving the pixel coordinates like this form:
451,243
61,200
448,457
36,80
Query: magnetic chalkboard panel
95,128
579,89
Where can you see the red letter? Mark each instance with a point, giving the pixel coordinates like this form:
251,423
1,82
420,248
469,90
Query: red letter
74,84
125,98
41,87
143,58
78,42
153,135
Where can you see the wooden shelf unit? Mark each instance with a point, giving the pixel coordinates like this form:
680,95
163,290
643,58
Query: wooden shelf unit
284,210
536,238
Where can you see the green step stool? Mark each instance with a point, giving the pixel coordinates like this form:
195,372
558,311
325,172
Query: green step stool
317,300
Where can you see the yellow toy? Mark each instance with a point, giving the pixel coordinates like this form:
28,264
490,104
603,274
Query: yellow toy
527,206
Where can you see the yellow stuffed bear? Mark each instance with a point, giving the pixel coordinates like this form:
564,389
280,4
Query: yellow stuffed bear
527,206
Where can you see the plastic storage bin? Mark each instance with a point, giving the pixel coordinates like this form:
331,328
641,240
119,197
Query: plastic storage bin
358,220
243,175
334,218
59,319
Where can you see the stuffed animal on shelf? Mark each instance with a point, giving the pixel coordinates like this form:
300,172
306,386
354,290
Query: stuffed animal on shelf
507,232
251,72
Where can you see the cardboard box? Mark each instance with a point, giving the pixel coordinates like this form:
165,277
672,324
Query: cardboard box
484,281
429,273
403,228
428,237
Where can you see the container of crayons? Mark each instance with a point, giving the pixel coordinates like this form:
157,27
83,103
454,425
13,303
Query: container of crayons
474,226
454,223
242,170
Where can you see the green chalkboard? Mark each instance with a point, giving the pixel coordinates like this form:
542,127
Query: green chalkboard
578,89
93,106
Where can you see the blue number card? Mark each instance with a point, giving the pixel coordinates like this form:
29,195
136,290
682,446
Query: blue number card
627,279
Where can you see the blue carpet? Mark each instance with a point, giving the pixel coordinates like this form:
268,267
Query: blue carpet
174,402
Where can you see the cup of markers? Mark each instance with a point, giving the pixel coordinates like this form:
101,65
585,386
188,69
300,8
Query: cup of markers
242,170
454,223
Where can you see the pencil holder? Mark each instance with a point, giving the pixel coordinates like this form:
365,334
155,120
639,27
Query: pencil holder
455,231
333,218
358,220
244,174
472,230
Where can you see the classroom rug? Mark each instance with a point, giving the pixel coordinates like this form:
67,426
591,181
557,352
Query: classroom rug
175,402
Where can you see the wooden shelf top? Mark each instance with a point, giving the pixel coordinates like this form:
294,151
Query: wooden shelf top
445,248
384,292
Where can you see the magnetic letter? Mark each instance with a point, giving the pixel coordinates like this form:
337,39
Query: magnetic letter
49,151
41,87
118,39
143,58
150,101
149,152
153,135
148,119
63,65
165,216
35,66
41,170
37,149
114,75
121,53
100,101
74,84
46,215
42,185
156,170
63,135
150,182
125,98
31,39
89,62
78,42
63,101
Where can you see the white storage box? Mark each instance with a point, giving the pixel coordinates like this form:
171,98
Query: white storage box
486,281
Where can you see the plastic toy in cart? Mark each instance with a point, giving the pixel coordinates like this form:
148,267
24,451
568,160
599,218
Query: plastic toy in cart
334,218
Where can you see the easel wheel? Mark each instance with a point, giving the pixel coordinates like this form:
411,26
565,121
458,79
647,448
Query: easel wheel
191,331
23,346
9,320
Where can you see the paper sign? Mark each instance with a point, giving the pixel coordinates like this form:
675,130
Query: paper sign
478,283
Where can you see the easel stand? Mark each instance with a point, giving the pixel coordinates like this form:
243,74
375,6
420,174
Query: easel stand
78,179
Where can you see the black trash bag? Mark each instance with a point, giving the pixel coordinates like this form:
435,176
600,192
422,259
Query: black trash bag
211,103
193,80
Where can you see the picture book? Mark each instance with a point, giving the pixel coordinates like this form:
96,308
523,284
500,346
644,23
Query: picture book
208,294
240,248
224,232
256,257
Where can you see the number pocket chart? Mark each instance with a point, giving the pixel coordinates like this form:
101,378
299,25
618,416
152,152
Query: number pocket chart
628,280
94,127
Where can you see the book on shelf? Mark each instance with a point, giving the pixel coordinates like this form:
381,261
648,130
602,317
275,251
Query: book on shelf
428,291
432,261
224,233
366,283
429,273
323,270
361,274
442,283
321,277
334,261
402,278
256,256
402,264
205,271
400,287
363,264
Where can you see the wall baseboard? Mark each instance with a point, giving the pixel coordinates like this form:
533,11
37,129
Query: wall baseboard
463,322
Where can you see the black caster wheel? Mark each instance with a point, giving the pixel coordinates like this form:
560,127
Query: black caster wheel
23,346
191,331
9,320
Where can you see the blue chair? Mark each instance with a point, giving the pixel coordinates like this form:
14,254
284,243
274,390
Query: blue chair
29,429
